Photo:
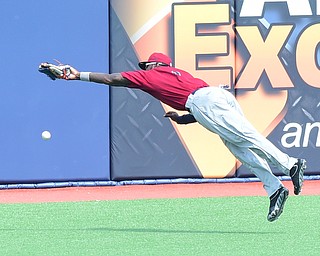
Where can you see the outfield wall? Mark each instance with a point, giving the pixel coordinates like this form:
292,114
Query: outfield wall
266,51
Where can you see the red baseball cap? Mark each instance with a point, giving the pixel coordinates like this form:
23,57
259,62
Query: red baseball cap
156,57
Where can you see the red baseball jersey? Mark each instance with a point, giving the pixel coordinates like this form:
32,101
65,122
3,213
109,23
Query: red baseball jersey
170,85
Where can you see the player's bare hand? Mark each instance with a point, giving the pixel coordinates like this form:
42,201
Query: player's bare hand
74,74
172,115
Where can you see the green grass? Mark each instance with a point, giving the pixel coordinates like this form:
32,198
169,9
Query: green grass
203,226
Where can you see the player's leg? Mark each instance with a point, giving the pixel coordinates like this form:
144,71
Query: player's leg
218,111
261,145
258,166
264,148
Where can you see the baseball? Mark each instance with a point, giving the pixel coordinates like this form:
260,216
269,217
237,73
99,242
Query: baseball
46,135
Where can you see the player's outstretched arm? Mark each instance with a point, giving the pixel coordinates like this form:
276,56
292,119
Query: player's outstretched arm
68,72
114,79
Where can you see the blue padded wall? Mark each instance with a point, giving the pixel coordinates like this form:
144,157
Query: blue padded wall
76,113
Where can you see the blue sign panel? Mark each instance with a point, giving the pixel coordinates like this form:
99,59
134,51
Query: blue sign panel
75,113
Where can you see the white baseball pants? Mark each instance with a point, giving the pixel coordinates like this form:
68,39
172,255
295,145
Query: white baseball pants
217,110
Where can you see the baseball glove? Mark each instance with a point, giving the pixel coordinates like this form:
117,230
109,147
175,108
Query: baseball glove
55,71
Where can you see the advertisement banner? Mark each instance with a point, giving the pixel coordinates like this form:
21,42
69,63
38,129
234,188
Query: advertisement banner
266,52
278,74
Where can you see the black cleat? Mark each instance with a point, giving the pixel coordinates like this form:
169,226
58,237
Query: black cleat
296,174
277,201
